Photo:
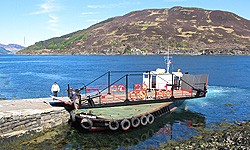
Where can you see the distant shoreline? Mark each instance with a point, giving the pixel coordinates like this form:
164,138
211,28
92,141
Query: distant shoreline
131,55
236,51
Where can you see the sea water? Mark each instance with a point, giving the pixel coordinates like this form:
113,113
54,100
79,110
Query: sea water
227,98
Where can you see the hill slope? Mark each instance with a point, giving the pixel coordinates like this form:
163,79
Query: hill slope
3,51
151,31
11,48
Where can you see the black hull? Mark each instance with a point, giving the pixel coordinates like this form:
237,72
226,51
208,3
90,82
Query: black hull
92,122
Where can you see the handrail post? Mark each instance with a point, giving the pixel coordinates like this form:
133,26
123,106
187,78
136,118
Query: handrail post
109,82
172,89
68,91
126,87
100,98
149,76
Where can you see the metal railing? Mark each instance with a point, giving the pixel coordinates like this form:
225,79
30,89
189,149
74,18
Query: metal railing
102,91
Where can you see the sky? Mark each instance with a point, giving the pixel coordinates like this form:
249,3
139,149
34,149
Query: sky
25,22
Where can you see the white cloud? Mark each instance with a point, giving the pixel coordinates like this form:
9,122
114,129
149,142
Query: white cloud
89,13
98,6
53,19
124,4
47,7
53,24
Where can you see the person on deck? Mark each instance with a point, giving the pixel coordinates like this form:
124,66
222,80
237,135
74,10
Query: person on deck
76,94
55,89
70,93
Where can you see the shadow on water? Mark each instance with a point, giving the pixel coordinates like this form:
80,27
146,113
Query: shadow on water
175,126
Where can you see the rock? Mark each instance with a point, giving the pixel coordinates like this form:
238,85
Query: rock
235,136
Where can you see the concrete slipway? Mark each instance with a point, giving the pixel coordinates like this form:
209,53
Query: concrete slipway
19,116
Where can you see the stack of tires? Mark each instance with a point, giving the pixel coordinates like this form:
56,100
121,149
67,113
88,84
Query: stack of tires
125,124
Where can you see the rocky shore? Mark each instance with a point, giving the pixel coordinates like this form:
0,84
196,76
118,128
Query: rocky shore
220,136
235,51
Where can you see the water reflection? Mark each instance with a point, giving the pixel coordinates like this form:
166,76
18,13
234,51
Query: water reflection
172,127
176,126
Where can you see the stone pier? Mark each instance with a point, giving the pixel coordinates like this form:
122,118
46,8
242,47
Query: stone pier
19,116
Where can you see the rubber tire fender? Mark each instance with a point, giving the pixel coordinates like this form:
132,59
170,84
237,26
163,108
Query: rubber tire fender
88,121
144,120
150,118
116,125
124,123
134,120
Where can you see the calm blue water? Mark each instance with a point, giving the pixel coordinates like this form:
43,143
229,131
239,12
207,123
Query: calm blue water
32,77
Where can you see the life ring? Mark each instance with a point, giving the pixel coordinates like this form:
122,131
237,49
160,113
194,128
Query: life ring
168,93
135,121
125,124
121,88
73,116
113,88
144,87
113,125
137,87
150,118
159,93
142,94
143,120
131,96
86,123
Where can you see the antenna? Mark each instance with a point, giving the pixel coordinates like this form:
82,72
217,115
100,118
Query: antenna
168,60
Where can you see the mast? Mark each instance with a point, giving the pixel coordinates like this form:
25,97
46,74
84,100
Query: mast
168,61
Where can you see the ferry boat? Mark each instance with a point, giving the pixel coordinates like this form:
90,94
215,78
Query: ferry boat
129,103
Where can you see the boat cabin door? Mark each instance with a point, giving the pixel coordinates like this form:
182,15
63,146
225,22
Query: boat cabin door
149,80
153,81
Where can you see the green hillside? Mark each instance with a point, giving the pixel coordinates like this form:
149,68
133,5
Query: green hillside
152,31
